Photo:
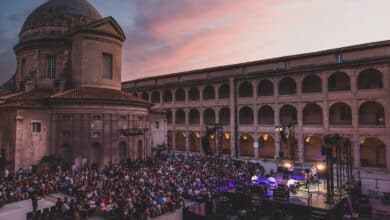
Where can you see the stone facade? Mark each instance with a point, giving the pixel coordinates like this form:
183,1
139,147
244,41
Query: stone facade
65,98
344,90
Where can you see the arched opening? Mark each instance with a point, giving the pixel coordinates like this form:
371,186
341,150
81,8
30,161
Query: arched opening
170,140
246,146
371,113
194,117
180,141
265,115
311,84
224,91
312,148
265,88
208,93
139,150
167,97
135,94
370,79
340,114
66,153
246,116
266,146
180,95
245,90
122,151
95,154
209,116
226,148
193,94
195,142
180,117
312,114
169,117
287,86
372,153
288,113
145,96
224,116
339,81
155,97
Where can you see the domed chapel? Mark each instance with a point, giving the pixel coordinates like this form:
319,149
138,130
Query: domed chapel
65,97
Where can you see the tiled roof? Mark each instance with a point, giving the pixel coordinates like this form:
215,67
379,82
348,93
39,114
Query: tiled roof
98,94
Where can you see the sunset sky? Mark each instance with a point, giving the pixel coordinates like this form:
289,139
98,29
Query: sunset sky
167,36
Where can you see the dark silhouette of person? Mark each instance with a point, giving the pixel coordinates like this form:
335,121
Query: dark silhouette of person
34,199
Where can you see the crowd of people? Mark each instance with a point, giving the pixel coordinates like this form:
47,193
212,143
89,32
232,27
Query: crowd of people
131,190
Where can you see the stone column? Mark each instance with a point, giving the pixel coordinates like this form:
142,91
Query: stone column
186,95
356,150
325,107
174,129
173,96
277,135
188,133
216,110
232,118
301,146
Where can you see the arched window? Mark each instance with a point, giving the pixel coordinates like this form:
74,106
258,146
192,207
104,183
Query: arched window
266,146
245,90
180,141
195,141
145,96
370,79
287,86
224,116
372,153
194,116
339,81
208,93
312,149
371,113
193,94
288,113
340,114
209,116
312,114
265,88
246,146
180,95
180,117
246,116
155,97
224,91
265,115
167,97
311,84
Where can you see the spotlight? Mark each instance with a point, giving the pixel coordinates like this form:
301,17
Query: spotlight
287,165
245,137
320,167
212,136
265,136
362,140
227,136
308,139
197,135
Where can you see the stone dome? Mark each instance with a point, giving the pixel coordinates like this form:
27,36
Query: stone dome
60,16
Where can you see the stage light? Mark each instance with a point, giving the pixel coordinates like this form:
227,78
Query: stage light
320,167
308,139
227,135
212,136
265,136
197,135
245,137
184,134
362,140
287,165
254,179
